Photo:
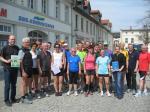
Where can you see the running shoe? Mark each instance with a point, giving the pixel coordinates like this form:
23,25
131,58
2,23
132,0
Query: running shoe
76,93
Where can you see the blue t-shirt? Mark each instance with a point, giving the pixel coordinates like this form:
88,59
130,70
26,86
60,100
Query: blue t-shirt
108,53
74,63
67,54
102,63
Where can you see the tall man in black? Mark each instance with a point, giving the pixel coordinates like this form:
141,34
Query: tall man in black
10,73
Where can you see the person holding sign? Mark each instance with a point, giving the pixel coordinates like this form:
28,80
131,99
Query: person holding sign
10,73
58,60
118,64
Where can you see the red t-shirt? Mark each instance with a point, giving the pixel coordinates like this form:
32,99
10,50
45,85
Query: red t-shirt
144,61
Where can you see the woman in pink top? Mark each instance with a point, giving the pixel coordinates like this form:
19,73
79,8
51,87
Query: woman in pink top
89,70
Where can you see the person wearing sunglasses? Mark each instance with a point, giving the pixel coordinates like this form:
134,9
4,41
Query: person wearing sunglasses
73,70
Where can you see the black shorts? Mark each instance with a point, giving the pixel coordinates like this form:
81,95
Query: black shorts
45,74
103,75
35,71
73,77
90,72
28,71
142,75
61,73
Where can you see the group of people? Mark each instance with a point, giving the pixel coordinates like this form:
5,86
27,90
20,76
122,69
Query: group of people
84,68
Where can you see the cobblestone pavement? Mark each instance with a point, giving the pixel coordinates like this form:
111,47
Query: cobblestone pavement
94,103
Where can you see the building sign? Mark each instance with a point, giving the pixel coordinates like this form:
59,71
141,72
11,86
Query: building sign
3,12
39,18
36,21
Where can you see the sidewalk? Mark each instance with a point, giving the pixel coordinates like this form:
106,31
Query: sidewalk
94,103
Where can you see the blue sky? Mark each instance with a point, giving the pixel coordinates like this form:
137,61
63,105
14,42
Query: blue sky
122,13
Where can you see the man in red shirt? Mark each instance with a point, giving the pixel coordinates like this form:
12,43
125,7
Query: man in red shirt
144,68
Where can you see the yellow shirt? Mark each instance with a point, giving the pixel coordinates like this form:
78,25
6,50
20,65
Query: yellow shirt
125,52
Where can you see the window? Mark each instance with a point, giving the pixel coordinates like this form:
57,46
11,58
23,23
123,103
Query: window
91,28
44,6
31,4
3,43
126,40
76,27
58,9
132,40
22,2
67,39
12,0
82,29
57,37
1,27
87,26
66,14
5,28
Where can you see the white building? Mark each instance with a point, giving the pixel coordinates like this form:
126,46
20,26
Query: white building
84,26
134,36
87,24
47,20
51,20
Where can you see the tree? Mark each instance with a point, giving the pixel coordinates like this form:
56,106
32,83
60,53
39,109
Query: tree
146,19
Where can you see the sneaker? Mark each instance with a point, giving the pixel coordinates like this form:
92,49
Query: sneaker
46,94
29,96
86,94
108,94
76,93
145,93
38,96
90,93
26,101
60,94
128,90
68,93
120,97
81,91
102,94
15,100
8,103
56,94
138,94
133,92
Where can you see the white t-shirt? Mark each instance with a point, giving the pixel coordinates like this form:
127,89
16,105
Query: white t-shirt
34,58
58,58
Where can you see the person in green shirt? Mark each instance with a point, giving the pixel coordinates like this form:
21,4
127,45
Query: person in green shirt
82,55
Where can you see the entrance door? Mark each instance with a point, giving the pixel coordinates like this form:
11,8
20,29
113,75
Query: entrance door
37,36
3,40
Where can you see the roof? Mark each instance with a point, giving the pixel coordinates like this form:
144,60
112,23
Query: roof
105,22
134,29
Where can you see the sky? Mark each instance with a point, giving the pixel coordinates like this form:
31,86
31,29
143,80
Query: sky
122,13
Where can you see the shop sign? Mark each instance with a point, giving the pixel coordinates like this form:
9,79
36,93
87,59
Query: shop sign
36,21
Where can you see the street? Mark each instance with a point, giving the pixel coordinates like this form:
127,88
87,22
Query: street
93,103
